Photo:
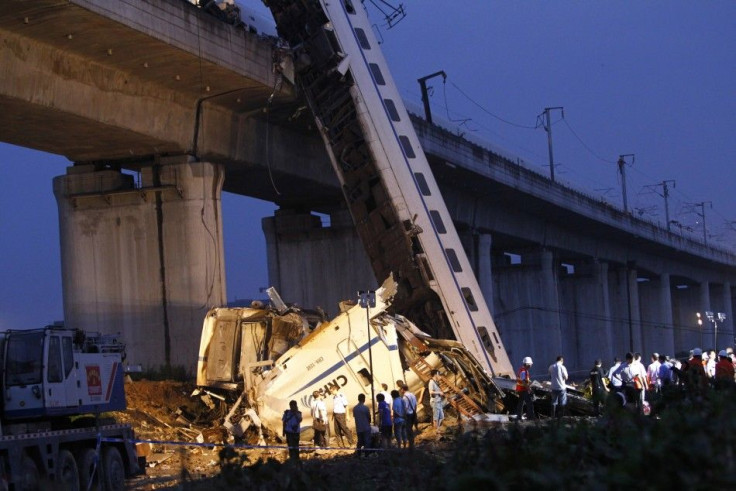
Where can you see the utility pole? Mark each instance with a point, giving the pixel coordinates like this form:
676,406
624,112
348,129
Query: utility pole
665,194
622,170
547,125
425,95
702,215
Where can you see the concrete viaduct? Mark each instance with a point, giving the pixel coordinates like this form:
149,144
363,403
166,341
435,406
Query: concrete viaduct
161,107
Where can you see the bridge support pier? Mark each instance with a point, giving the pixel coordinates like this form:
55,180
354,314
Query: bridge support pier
528,317
728,331
311,264
657,323
586,314
477,247
145,259
484,272
705,304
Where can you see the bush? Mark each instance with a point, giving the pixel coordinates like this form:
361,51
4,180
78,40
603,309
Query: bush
690,444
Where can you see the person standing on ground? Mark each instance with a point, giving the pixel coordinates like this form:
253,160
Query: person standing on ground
413,399
386,394
724,378
362,417
292,419
398,413
524,390
339,411
655,384
410,404
436,396
319,419
558,375
384,421
693,373
598,389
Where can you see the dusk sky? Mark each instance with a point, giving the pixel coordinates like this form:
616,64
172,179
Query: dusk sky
652,78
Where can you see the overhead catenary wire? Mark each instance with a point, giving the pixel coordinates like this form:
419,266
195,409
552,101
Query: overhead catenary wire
590,150
463,121
490,113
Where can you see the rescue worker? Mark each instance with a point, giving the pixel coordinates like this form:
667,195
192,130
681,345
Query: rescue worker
694,373
524,389
598,388
724,371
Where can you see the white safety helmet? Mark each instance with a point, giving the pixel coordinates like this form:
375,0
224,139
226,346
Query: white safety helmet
527,360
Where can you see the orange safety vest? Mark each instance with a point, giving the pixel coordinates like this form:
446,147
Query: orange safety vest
523,379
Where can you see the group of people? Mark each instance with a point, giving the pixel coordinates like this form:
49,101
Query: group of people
630,382
558,377
396,417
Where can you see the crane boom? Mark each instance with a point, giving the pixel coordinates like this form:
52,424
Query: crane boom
395,202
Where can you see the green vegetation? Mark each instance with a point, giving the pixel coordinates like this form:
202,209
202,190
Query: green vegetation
688,443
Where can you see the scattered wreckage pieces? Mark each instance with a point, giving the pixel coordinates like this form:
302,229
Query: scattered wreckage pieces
356,352
577,403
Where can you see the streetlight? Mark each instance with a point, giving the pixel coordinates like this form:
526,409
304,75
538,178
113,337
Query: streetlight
700,327
713,318
367,299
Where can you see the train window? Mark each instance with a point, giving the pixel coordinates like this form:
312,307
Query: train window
362,38
439,225
469,299
349,7
391,109
377,74
408,150
454,262
422,183
486,339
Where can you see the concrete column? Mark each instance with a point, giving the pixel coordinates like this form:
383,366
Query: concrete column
658,333
144,260
605,330
633,310
315,265
706,337
547,324
727,327
585,315
485,272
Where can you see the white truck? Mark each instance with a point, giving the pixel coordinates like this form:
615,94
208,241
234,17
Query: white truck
56,382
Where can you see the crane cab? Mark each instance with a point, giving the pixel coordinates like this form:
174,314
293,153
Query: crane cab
57,371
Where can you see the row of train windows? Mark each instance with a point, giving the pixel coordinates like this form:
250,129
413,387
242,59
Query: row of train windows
393,113
421,180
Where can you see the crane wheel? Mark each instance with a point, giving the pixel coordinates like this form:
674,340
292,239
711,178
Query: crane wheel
87,464
67,475
30,479
114,474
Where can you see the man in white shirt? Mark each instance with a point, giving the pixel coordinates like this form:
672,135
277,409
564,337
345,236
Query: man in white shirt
436,398
319,419
653,373
339,411
558,376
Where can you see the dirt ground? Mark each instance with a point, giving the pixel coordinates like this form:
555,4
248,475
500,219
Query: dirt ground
186,439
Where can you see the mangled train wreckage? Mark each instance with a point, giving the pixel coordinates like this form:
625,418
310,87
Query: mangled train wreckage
275,354
269,356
